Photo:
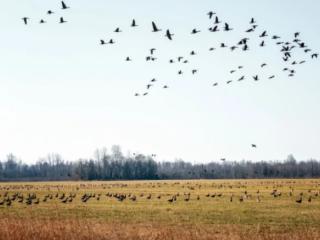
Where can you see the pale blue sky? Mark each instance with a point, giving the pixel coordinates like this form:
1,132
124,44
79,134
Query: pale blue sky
61,92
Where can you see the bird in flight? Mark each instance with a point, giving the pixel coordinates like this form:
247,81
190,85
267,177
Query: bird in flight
117,30
25,20
134,24
315,55
111,41
253,21
263,65
128,59
264,34
155,28
215,84
256,78
62,20
254,145
194,71
102,42
49,12
169,35
195,31
227,27
64,6
217,21
210,14
42,21
152,50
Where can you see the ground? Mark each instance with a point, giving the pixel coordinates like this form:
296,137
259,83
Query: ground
203,209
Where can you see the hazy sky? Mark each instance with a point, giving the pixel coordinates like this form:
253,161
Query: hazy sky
61,92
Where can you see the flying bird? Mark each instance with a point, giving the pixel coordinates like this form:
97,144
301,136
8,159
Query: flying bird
49,12
25,20
195,31
133,23
169,35
42,21
253,21
256,78
264,34
62,20
315,55
117,30
194,71
227,27
254,145
128,59
152,50
155,28
210,14
215,84
217,21
263,65
64,6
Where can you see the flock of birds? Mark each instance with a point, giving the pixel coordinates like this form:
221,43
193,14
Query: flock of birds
64,6
29,195
287,48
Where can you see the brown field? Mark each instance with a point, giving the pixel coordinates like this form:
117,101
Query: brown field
220,209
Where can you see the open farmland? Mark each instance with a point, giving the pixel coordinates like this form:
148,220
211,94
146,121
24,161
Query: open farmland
222,209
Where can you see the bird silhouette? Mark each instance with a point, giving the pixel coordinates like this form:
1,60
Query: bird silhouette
214,29
263,65
271,77
264,34
210,14
137,94
42,21
49,12
262,44
102,42
275,37
256,78
217,21
241,79
152,50
153,80
253,21
169,35
215,84
230,81
194,71
25,20
155,28
117,30
64,6
165,86
297,34
253,145
193,53
180,72
133,23
111,41
128,59
315,55
227,27
195,31
62,20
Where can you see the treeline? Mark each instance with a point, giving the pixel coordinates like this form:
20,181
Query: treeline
116,166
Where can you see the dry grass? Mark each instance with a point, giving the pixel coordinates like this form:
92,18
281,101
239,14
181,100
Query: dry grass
16,229
151,217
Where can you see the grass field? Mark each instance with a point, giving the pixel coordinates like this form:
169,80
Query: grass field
221,209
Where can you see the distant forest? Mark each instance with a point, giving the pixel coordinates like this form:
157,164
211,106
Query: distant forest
116,166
